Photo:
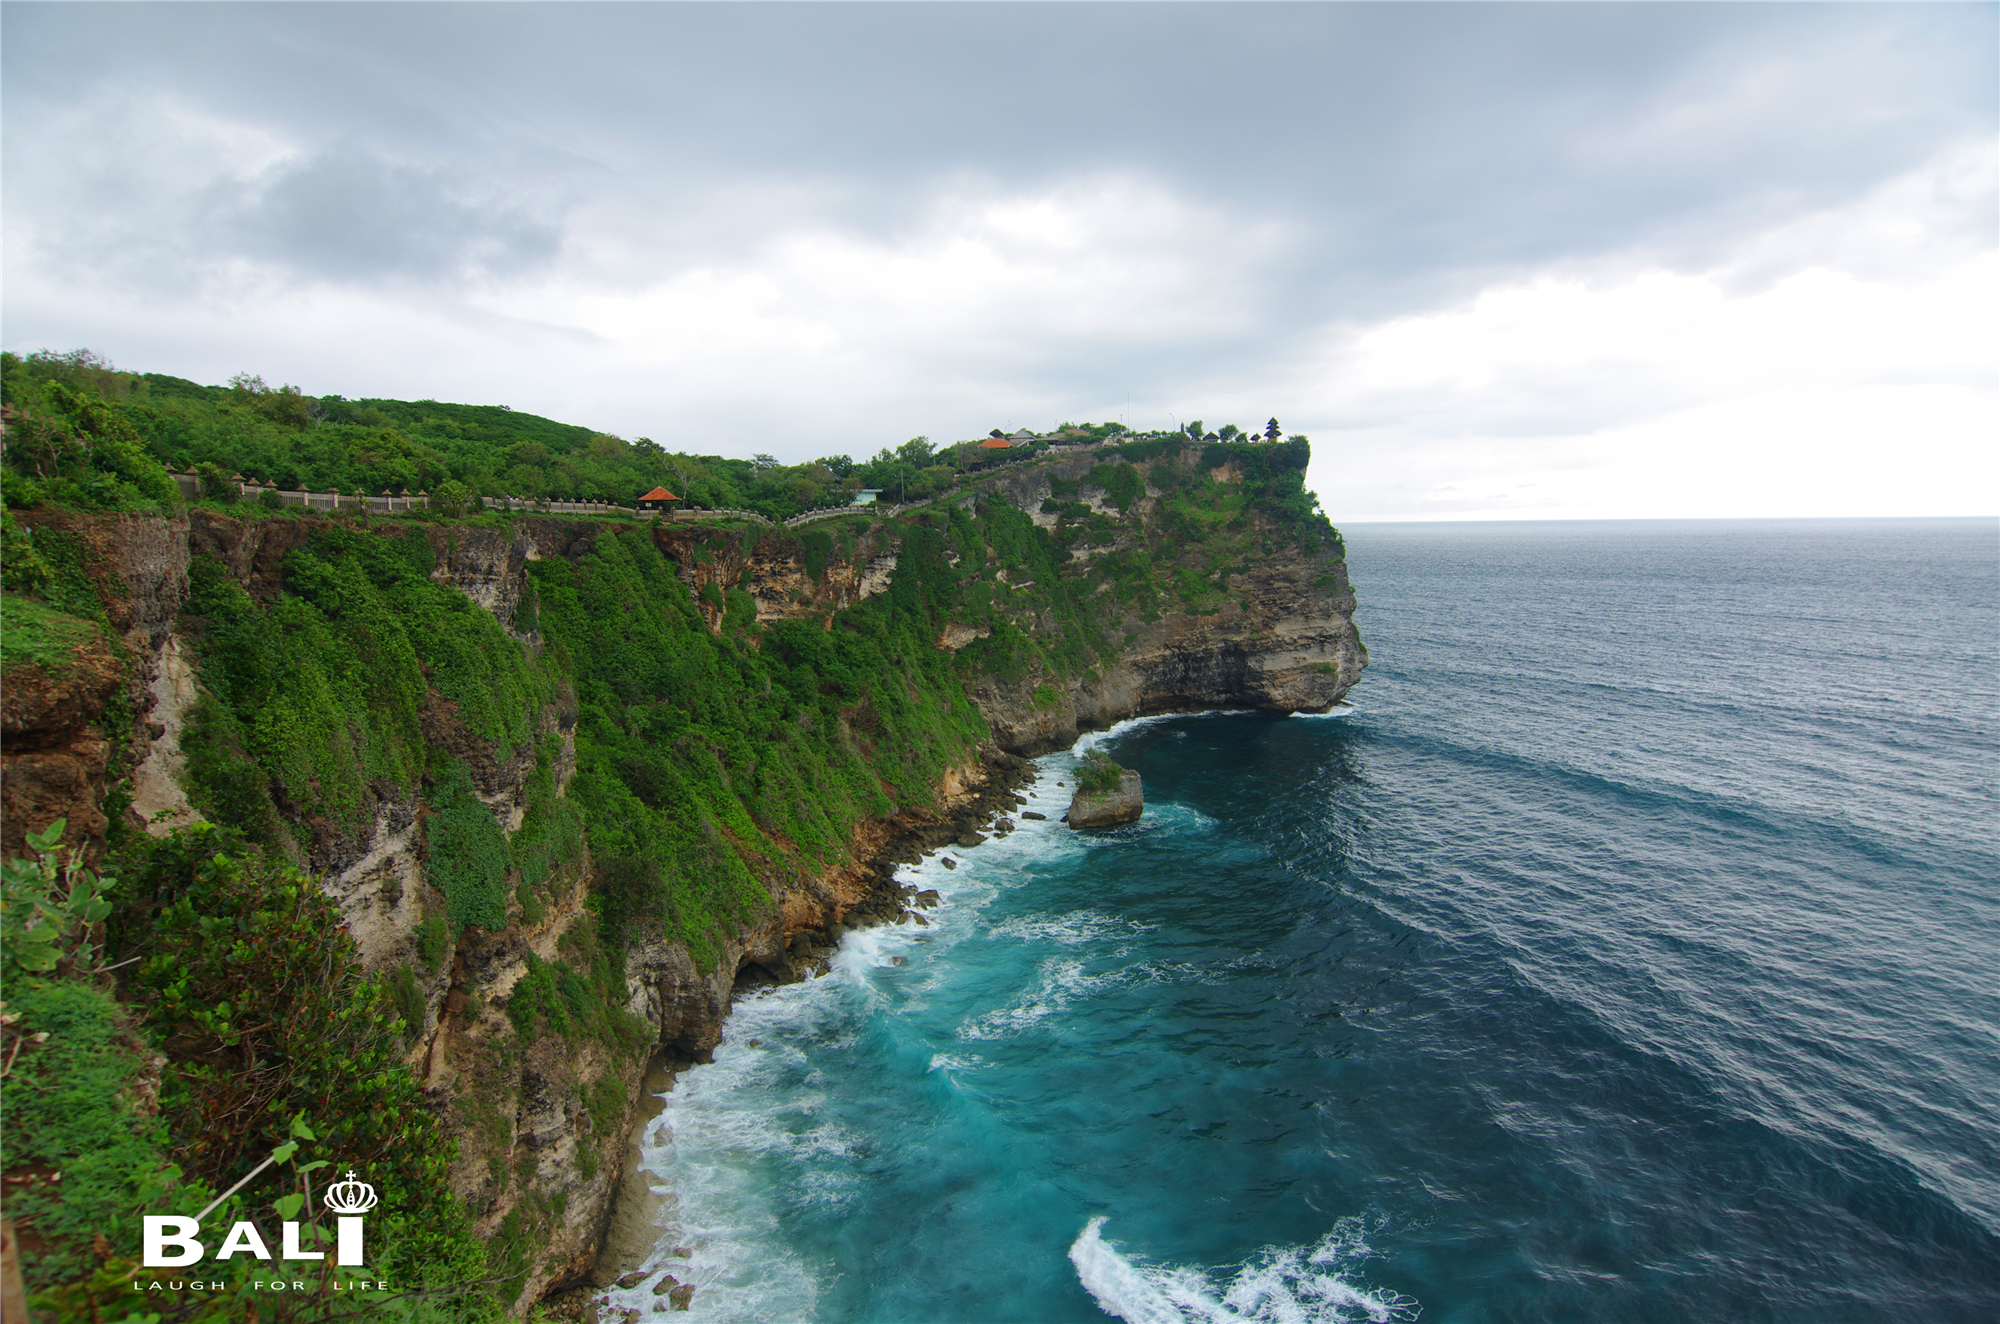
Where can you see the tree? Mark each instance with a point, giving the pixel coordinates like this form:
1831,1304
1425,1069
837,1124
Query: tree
453,499
1272,431
1228,431
916,452
761,461
217,485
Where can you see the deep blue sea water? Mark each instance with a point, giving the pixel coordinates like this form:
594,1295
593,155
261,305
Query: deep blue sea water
1630,953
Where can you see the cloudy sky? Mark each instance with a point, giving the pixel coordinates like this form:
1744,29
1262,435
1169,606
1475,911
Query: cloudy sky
1568,261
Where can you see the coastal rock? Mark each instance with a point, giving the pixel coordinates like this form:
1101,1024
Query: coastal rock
1283,642
1102,809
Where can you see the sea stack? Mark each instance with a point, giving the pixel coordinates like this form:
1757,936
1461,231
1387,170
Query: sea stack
1106,794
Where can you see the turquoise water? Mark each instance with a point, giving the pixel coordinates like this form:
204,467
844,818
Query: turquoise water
1628,953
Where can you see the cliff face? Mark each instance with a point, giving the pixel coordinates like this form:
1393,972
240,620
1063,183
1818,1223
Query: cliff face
56,755
1284,641
1100,589
75,723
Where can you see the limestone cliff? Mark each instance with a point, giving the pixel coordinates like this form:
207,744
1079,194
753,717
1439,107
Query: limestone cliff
1283,641
1072,594
73,728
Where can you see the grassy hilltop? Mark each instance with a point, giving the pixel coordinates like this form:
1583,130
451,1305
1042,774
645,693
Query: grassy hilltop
282,436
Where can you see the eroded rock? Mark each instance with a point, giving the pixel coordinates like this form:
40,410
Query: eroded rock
1102,809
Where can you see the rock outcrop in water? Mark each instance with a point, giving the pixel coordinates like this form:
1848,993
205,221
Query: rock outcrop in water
1101,809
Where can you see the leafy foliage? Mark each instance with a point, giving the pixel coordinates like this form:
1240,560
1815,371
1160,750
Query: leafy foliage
71,445
22,569
49,908
250,984
39,636
319,695
72,1105
1098,773
703,760
467,855
246,981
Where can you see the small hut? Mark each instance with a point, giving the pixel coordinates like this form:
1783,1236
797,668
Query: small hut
657,499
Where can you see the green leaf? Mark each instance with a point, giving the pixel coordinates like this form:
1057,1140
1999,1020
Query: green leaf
288,1205
316,1164
301,1130
36,958
283,1153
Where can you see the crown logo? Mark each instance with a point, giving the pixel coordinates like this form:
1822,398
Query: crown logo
352,1196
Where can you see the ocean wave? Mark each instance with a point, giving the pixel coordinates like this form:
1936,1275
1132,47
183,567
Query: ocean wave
1338,710
1280,1284
953,1062
1060,983
1071,930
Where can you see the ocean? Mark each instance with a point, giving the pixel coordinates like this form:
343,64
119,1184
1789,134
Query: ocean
1629,950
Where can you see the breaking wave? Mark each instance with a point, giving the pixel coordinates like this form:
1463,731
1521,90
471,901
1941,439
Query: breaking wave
1282,1285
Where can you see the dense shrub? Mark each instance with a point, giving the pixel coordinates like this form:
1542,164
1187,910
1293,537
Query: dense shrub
465,853
1098,773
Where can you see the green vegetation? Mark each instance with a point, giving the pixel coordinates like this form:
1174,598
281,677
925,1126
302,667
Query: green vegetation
581,994
709,759
35,634
319,696
241,1027
704,761
1098,773
466,852
96,438
70,444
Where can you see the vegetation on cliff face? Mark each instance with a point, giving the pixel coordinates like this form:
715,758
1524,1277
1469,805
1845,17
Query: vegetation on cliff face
319,697
714,756
706,762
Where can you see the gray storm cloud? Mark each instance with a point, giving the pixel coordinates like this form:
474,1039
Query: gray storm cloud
346,215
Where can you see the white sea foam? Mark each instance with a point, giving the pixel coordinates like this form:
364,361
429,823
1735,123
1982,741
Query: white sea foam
1280,1284
1338,710
1058,983
955,1062
1091,739
1071,930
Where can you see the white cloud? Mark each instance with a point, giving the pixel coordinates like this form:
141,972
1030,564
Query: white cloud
1866,390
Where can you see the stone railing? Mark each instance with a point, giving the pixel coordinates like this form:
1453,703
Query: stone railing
537,507
387,503
392,503
723,514
829,512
